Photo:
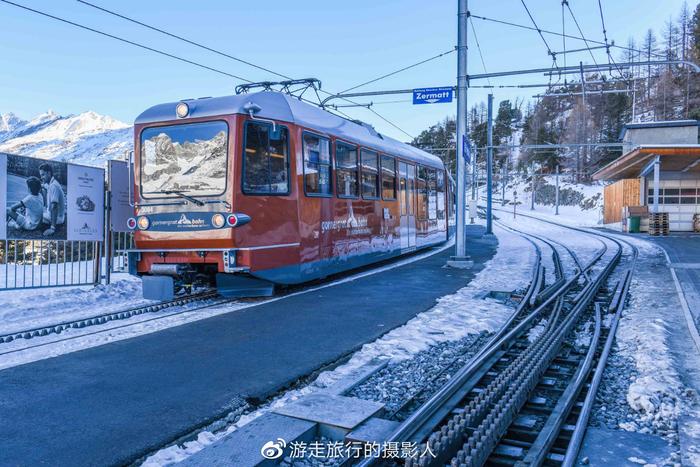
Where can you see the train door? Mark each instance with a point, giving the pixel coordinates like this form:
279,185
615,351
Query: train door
407,183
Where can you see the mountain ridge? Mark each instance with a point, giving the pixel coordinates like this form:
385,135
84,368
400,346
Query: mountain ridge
86,138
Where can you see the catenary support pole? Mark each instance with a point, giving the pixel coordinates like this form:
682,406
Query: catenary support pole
656,184
489,166
504,169
460,258
556,193
532,188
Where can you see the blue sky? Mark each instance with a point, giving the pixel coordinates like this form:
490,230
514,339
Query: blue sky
50,65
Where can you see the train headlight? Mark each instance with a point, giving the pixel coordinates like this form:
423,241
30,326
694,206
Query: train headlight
182,109
218,220
131,223
232,220
143,222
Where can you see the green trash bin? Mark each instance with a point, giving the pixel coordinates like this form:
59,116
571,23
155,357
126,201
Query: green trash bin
633,224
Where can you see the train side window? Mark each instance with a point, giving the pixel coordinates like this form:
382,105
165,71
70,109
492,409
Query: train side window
422,192
432,194
265,164
388,177
440,194
346,170
317,165
370,174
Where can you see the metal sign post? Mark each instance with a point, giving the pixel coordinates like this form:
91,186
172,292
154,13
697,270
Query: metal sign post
460,259
489,166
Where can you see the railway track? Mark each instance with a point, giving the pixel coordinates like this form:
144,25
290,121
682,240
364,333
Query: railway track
102,318
524,398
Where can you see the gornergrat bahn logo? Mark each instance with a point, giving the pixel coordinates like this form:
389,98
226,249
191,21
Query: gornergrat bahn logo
183,222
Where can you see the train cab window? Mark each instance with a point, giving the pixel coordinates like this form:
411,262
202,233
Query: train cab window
346,169
265,164
317,165
422,193
370,174
388,177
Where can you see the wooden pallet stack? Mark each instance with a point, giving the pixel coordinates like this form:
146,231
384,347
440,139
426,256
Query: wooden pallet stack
658,223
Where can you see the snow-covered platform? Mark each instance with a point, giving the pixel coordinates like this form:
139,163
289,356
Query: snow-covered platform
115,403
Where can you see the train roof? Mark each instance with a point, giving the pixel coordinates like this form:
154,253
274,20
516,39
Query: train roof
283,107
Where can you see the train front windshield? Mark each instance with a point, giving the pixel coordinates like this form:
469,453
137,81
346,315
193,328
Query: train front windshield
188,159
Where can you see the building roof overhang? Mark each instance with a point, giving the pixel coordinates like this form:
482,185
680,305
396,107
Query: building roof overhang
672,158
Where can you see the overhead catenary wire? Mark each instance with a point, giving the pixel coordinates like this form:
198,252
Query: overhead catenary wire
400,70
554,33
580,31
226,55
126,41
539,31
605,39
181,38
478,48
174,56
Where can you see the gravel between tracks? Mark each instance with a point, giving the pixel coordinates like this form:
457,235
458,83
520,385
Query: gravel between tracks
426,372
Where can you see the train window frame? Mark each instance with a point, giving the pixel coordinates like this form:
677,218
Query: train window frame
168,125
246,123
331,156
338,170
432,192
421,214
441,187
383,157
377,174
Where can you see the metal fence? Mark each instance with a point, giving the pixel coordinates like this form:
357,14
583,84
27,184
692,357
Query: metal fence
49,263
119,242
39,263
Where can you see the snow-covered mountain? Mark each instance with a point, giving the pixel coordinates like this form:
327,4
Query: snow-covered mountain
88,138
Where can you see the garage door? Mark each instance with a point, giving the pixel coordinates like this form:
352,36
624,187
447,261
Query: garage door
680,199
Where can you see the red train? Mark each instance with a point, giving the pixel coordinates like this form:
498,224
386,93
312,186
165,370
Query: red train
247,191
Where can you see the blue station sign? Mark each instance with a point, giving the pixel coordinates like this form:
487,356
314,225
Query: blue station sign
432,95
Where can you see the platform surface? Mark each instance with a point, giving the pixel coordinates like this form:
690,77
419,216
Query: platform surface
113,404
684,252
603,446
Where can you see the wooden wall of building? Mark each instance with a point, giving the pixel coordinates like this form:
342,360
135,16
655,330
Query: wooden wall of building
617,196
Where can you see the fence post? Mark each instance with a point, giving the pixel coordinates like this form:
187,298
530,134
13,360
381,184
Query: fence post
108,237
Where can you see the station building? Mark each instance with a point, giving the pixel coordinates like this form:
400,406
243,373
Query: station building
659,172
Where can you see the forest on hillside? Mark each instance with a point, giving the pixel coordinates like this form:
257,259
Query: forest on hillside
564,114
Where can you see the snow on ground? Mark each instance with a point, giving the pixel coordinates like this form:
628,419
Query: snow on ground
587,212
20,309
452,318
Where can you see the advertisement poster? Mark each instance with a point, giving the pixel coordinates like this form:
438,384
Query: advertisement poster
49,200
120,211
85,203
